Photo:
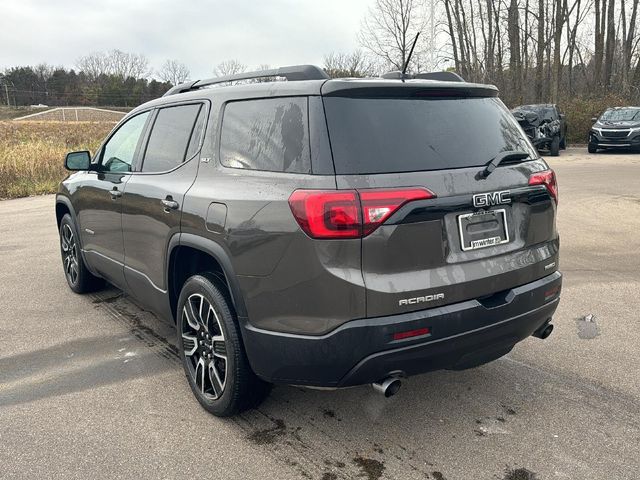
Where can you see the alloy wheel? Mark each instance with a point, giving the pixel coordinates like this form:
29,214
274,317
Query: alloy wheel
204,346
69,254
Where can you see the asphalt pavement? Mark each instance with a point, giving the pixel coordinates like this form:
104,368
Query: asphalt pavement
91,386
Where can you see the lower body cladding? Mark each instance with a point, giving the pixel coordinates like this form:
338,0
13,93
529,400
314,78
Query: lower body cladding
457,336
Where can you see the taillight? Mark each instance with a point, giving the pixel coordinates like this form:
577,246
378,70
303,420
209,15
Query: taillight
378,205
327,214
349,213
548,179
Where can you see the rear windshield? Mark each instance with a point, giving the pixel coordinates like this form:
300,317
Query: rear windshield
380,135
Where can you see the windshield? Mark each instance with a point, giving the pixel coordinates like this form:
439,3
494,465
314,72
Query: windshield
621,115
382,135
541,111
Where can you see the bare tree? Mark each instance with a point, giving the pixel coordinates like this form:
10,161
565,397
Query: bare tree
628,42
229,67
93,64
389,28
354,64
610,43
115,62
515,63
126,65
540,39
174,72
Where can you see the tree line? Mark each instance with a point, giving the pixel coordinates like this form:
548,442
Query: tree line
533,50
112,78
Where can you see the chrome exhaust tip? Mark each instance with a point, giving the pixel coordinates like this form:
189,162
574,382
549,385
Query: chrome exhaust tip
388,387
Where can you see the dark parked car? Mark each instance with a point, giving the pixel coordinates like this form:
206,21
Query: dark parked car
319,232
616,128
545,125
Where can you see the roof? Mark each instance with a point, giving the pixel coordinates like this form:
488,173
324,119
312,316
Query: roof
307,80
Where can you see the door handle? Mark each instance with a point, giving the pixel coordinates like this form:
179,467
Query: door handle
115,193
169,204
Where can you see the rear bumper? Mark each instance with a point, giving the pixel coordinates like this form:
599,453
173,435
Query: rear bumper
362,351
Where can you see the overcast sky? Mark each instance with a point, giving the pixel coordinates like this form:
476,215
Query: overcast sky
199,33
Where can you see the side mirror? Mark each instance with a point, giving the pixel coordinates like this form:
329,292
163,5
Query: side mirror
594,119
562,116
77,161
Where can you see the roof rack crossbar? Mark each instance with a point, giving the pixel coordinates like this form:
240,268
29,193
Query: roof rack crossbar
292,73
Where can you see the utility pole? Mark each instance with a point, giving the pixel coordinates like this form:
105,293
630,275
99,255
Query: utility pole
3,81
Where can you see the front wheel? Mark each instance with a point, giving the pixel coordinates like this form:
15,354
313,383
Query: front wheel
563,143
211,348
592,148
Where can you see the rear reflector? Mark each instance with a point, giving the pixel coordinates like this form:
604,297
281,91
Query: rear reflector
548,179
410,333
552,292
349,213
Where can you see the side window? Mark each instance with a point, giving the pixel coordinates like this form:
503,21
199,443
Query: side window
119,151
198,132
169,139
268,134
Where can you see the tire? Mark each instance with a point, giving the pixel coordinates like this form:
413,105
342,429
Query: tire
592,148
78,277
211,349
563,143
554,147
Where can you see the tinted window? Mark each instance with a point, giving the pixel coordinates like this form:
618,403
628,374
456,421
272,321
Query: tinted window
270,134
198,132
170,137
403,135
118,153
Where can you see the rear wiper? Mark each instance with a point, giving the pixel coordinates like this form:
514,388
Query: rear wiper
501,157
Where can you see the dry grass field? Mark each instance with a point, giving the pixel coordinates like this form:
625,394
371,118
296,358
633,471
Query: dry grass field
32,153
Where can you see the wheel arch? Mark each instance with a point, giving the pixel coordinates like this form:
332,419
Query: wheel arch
189,255
64,206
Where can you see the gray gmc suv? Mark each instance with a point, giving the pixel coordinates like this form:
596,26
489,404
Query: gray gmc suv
326,233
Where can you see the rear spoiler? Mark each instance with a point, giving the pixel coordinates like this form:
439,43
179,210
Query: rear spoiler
408,89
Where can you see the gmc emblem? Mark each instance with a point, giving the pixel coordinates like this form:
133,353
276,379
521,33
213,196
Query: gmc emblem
483,200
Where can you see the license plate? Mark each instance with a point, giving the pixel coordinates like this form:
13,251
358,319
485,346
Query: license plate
483,229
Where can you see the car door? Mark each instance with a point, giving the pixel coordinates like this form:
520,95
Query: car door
99,200
152,203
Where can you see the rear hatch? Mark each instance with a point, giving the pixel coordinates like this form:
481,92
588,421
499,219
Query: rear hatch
467,237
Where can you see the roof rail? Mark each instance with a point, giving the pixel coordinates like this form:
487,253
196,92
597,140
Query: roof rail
293,73
440,76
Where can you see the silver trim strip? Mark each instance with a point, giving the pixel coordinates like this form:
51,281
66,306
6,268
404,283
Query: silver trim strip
127,267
